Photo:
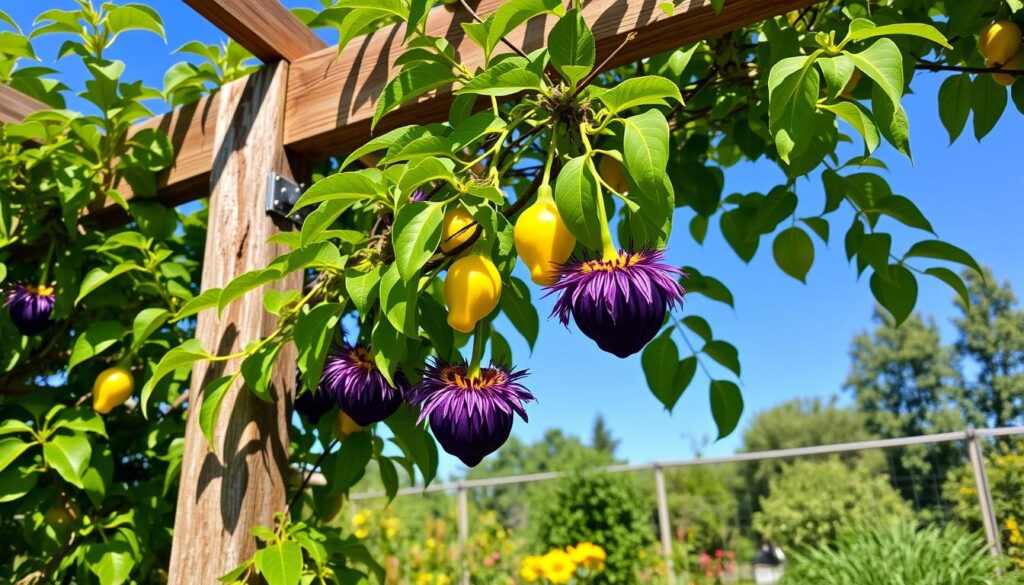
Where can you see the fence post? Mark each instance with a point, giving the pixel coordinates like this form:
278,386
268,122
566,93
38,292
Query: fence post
463,519
988,515
663,524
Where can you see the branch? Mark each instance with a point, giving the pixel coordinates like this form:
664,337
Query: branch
505,41
309,476
932,66
597,70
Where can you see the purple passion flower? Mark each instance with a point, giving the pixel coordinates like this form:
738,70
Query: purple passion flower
620,303
352,379
314,404
470,417
30,307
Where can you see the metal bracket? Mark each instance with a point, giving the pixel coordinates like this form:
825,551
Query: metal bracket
282,195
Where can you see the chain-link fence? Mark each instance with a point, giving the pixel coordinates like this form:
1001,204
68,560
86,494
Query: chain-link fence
708,515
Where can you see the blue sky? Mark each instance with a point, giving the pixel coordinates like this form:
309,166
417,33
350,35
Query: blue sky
793,338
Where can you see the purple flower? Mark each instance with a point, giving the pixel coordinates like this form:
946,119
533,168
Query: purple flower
314,404
418,195
352,379
470,417
620,303
30,307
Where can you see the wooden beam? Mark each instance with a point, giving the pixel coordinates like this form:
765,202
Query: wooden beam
265,27
331,100
224,493
14,105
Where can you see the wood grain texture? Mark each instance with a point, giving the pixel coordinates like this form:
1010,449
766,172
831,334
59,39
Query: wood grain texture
331,100
265,27
14,105
225,493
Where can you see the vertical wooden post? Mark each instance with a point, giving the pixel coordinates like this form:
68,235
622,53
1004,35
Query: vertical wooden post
226,491
463,522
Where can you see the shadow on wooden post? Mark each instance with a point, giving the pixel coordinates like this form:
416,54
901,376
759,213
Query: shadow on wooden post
224,494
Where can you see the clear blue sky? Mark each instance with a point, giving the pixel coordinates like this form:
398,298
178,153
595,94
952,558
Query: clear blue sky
793,338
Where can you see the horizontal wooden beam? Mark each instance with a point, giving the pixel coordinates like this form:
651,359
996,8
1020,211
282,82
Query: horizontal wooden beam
331,100
15,106
265,27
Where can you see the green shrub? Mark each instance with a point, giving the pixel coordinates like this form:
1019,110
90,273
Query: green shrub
899,554
606,510
1006,483
811,501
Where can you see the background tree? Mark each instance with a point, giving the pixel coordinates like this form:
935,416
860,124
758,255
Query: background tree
990,352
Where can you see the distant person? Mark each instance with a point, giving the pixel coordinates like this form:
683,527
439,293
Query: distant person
769,563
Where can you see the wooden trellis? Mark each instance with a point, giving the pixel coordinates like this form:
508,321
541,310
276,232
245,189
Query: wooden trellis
307,104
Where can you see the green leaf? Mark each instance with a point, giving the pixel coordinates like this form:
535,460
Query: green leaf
513,13
649,90
515,303
244,283
321,219
95,340
398,302
940,250
837,72
80,420
97,277
700,326
68,455
415,442
892,120
953,280
794,252
388,477
883,63
362,287
206,300
258,370
213,399
576,194
352,186
10,449
793,87
724,353
134,17
867,30
146,323
666,375
184,355
17,482
988,102
897,293
646,149
726,406
409,85
350,463
505,78
111,561
955,104
280,564
903,210
819,225
416,235
314,332
860,118
697,283
572,47
425,171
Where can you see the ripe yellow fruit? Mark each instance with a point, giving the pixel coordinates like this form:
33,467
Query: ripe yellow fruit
613,173
472,289
543,241
1013,63
112,387
1000,41
345,426
454,228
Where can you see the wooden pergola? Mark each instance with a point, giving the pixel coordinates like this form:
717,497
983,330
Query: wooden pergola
306,104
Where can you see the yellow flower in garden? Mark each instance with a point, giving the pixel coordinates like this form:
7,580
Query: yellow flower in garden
425,579
431,544
360,519
558,567
531,568
589,555
444,580
1011,524
361,533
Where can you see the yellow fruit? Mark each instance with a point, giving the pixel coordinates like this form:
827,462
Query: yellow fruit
1000,41
543,241
471,291
454,228
613,173
61,515
1013,63
112,387
345,426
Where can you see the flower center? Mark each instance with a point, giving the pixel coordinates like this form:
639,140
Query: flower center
456,376
625,260
362,358
41,291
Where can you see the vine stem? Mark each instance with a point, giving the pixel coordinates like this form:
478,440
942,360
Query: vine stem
309,476
597,70
608,250
478,350
932,66
504,41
